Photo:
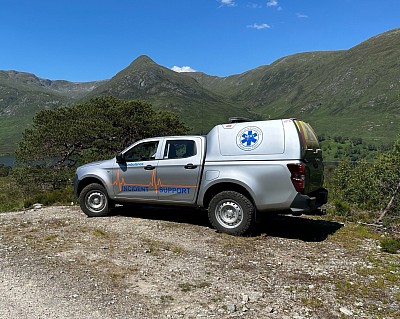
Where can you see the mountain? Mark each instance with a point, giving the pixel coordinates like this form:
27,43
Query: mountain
199,106
21,90
355,90
351,92
23,94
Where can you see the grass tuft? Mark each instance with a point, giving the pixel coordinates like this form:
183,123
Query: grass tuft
390,245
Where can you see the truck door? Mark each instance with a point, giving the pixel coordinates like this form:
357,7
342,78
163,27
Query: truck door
179,169
135,177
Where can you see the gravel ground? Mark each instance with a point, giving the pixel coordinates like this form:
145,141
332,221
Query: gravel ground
168,263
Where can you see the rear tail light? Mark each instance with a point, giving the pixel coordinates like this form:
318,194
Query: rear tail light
298,176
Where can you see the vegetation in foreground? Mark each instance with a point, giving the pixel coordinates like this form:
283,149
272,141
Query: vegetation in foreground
11,195
371,187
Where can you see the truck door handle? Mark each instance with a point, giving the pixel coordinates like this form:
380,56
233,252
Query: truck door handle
190,166
149,167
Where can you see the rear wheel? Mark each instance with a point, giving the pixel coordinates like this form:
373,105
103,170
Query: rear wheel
231,212
94,200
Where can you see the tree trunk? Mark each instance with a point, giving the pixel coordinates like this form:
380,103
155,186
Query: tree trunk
389,205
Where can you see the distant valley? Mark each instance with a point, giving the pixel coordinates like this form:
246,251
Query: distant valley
353,93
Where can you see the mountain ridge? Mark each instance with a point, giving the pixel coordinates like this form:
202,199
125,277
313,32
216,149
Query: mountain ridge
357,89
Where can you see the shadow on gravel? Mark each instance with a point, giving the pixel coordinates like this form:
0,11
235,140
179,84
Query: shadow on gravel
182,215
302,228
284,226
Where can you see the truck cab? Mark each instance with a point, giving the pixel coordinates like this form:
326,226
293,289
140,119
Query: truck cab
164,169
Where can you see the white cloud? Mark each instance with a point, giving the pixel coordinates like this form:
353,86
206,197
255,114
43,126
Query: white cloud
259,26
228,3
272,3
302,16
182,69
253,5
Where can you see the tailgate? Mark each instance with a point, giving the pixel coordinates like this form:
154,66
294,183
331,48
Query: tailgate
311,156
314,172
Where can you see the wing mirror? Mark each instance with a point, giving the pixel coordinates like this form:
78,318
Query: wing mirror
120,158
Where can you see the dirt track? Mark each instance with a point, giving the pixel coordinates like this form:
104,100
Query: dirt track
168,263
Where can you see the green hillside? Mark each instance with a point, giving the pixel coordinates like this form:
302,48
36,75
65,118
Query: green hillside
354,93
351,93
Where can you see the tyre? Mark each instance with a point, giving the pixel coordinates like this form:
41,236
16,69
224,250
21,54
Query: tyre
231,212
94,200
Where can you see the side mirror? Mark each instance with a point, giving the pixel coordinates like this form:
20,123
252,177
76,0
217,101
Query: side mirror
120,158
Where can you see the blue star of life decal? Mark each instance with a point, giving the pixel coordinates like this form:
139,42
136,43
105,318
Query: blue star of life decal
249,138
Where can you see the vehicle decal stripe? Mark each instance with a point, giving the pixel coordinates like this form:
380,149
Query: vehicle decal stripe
153,183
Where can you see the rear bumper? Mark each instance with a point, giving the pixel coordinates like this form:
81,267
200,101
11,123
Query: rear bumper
310,203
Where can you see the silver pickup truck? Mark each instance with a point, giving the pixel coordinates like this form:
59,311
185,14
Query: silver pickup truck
235,171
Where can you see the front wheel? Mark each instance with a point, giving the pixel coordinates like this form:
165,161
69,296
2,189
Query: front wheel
94,200
231,212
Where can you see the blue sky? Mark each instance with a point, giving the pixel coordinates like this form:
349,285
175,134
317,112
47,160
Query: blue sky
84,40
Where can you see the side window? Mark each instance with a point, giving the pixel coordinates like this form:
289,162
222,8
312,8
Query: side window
180,149
309,139
142,152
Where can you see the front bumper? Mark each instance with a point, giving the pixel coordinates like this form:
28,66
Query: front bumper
76,183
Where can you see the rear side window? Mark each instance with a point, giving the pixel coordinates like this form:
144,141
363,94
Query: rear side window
308,137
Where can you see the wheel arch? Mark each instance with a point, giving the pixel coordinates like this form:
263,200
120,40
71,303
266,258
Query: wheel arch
225,186
88,180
